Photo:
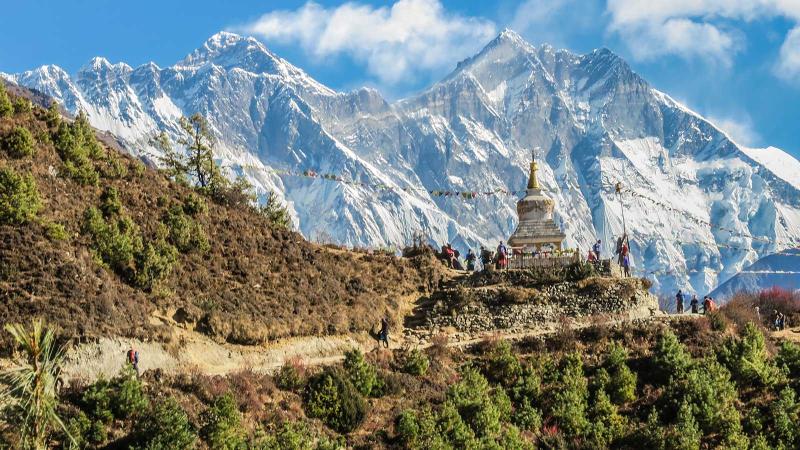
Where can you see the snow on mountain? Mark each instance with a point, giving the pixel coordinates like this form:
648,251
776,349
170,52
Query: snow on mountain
591,119
780,269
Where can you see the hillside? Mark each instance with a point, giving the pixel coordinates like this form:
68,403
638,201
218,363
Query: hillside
592,118
235,277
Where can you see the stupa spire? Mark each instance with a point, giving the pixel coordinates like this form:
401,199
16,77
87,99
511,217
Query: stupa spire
533,182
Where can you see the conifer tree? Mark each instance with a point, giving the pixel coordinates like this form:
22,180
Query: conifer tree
199,143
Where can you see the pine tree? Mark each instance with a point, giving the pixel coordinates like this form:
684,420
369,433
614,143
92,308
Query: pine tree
687,433
276,213
199,143
174,162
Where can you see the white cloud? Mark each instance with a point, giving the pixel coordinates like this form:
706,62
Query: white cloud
691,28
788,66
739,128
395,43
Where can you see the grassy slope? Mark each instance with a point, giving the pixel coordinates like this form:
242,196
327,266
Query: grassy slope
256,282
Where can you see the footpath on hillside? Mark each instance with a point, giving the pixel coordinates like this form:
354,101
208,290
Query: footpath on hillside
463,311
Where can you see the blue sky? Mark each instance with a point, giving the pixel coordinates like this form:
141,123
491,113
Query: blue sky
734,61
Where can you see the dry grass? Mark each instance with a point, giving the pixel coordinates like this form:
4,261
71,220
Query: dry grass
257,283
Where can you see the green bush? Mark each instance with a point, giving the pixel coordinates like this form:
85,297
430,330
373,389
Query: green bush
53,116
19,198
478,405
96,401
606,425
711,394
503,366
362,374
670,358
571,397
115,242
331,397
621,386
110,203
184,232
785,415
19,143
687,434
6,109
22,106
194,205
290,377
128,398
276,214
748,360
154,263
164,427
293,436
419,430
78,148
222,425
56,231
528,386
415,362
78,427
788,358
580,270
527,417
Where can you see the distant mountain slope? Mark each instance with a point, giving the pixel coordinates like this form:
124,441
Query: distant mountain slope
593,120
777,270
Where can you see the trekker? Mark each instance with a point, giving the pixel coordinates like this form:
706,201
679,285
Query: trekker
592,258
694,303
471,258
383,335
502,256
706,304
626,266
618,251
758,314
486,258
679,302
133,359
596,249
450,255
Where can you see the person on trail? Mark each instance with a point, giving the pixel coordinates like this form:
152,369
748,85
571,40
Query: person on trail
596,249
694,303
383,335
679,302
471,258
758,314
592,258
133,359
626,266
706,304
449,254
486,258
502,256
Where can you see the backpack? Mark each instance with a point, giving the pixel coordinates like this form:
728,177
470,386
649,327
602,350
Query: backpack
132,356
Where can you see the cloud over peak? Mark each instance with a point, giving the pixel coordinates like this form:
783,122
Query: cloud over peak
395,42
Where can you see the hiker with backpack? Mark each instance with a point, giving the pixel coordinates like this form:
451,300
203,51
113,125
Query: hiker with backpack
679,302
626,266
694,303
596,249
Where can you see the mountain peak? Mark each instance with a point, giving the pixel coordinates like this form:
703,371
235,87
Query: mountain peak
230,50
101,64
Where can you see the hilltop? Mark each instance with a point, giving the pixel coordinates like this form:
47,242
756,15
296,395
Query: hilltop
225,271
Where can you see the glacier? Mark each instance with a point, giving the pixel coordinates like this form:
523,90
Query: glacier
698,207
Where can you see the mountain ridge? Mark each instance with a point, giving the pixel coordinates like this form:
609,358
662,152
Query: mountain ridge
592,118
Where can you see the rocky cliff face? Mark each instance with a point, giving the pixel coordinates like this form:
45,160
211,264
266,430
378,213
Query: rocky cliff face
592,120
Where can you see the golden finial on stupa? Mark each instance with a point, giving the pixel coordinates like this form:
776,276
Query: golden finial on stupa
533,183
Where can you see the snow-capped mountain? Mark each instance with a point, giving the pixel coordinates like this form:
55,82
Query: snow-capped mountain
780,269
590,118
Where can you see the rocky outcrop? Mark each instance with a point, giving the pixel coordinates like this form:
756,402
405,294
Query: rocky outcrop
512,309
